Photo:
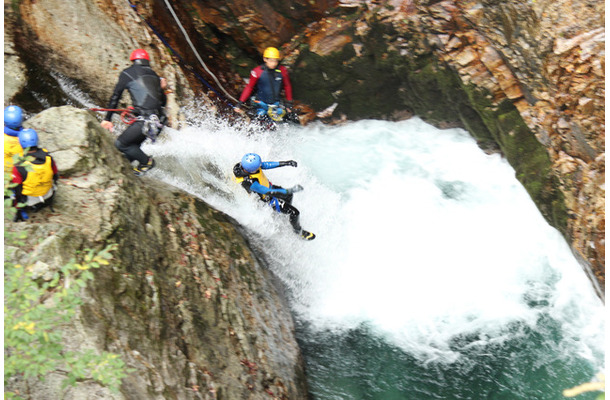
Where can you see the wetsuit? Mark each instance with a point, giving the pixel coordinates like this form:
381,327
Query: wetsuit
11,146
276,196
267,85
147,98
36,187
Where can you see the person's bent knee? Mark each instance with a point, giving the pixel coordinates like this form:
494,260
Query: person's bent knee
121,146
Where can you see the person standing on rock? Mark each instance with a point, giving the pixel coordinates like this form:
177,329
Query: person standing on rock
13,118
148,99
266,83
35,178
249,173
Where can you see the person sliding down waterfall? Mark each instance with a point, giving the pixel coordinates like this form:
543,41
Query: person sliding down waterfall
148,99
267,81
249,173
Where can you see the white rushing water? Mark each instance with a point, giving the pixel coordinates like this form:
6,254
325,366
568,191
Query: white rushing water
421,236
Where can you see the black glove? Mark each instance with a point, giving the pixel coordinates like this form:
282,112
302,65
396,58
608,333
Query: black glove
292,163
294,189
288,103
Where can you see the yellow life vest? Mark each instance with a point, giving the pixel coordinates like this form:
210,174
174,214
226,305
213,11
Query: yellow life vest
11,147
258,175
40,179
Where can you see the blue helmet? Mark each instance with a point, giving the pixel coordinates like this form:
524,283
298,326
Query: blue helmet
28,138
13,117
251,162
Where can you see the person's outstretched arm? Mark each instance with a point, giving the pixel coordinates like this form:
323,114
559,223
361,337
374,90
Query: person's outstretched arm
275,164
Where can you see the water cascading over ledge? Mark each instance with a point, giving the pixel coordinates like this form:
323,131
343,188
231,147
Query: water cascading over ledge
537,79
497,70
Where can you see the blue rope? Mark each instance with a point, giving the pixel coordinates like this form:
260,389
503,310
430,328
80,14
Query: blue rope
175,53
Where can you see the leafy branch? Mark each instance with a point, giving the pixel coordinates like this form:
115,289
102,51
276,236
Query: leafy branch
35,312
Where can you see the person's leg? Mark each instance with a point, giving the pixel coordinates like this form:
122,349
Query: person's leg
293,214
129,143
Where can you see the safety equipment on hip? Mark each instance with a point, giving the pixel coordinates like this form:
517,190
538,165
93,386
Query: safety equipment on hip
28,138
251,162
271,52
34,201
13,117
277,204
276,113
152,126
139,54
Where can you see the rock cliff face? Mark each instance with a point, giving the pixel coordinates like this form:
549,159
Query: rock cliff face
184,302
525,78
188,306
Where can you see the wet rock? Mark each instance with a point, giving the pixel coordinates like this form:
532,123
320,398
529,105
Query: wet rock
183,301
485,65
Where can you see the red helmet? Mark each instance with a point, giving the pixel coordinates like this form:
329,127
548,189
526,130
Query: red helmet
139,54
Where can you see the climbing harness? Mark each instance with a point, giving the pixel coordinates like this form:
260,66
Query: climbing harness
275,203
152,126
275,111
127,116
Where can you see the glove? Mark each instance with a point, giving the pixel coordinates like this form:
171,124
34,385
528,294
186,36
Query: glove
239,107
294,189
288,103
292,163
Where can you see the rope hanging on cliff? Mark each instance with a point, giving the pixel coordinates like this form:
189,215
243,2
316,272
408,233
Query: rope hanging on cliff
188,39
226,94
126,113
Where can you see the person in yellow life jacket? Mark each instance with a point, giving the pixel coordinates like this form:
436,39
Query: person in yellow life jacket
13,118
35,178
249,173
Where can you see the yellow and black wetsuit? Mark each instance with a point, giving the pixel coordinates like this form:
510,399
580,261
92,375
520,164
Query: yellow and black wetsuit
276,196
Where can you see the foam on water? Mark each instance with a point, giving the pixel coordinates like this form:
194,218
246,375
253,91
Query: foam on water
421,236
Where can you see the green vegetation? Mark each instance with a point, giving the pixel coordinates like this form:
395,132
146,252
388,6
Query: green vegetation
35,311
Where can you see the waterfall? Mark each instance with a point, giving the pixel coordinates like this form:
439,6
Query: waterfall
429,252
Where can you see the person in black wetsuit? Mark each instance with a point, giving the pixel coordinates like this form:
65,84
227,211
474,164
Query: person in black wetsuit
249,173
148,100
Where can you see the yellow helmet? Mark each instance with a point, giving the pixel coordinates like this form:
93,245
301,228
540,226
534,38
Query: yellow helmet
271,52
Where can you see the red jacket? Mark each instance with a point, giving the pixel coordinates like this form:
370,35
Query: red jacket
268,84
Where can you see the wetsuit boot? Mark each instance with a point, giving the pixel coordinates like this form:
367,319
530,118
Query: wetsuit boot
143,168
